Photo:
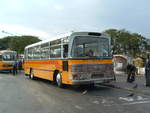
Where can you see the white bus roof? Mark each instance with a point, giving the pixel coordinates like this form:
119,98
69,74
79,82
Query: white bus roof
62,36
7,51
48,40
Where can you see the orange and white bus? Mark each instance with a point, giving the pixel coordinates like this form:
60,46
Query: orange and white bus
74,58
7,58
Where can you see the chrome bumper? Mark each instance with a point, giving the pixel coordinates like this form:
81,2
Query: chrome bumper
91,81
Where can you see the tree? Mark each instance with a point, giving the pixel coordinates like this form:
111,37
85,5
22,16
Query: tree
125,42
147,45
4,43
17,43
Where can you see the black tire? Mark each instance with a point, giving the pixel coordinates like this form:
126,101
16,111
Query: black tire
59,80
31,76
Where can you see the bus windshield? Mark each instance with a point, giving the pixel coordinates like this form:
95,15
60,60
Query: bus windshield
87,46
9,57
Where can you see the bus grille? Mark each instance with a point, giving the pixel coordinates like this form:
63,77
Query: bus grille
103,68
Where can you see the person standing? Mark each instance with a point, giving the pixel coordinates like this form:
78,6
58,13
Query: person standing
15,68
20,65
131,70
128,72
90,53
147,71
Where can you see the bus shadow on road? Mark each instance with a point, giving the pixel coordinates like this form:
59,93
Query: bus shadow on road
94,90
5,72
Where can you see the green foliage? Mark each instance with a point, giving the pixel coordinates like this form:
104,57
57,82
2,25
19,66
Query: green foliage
125,42
17,43
147,45
4,43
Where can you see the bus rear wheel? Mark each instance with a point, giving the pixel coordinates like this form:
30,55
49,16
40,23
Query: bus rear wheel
32,76
59,80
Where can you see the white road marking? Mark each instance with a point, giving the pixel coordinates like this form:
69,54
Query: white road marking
140,98
78,107
104,101
129,99
84,92
108,102
140,102
95,102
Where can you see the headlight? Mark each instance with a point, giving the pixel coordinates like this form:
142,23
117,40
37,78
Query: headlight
75,76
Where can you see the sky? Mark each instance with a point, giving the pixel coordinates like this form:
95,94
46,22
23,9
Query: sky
49,18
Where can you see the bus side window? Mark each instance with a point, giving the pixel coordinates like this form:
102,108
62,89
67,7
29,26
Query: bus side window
55,52
65,48
4,57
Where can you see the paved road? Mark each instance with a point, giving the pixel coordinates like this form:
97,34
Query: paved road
22,95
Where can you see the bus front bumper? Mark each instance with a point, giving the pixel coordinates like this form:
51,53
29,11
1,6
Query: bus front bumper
91,81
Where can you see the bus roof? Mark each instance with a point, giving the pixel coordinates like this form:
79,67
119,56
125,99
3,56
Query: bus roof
48,40
65,35
7,51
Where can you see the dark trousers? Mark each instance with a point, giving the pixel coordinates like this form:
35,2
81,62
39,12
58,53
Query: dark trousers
20,68
147,76
131,77
14,70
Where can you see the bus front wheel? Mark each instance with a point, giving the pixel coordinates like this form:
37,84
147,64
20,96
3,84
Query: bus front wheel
59,80
32,76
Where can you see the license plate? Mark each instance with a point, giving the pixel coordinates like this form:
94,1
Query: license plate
97,75
96,82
